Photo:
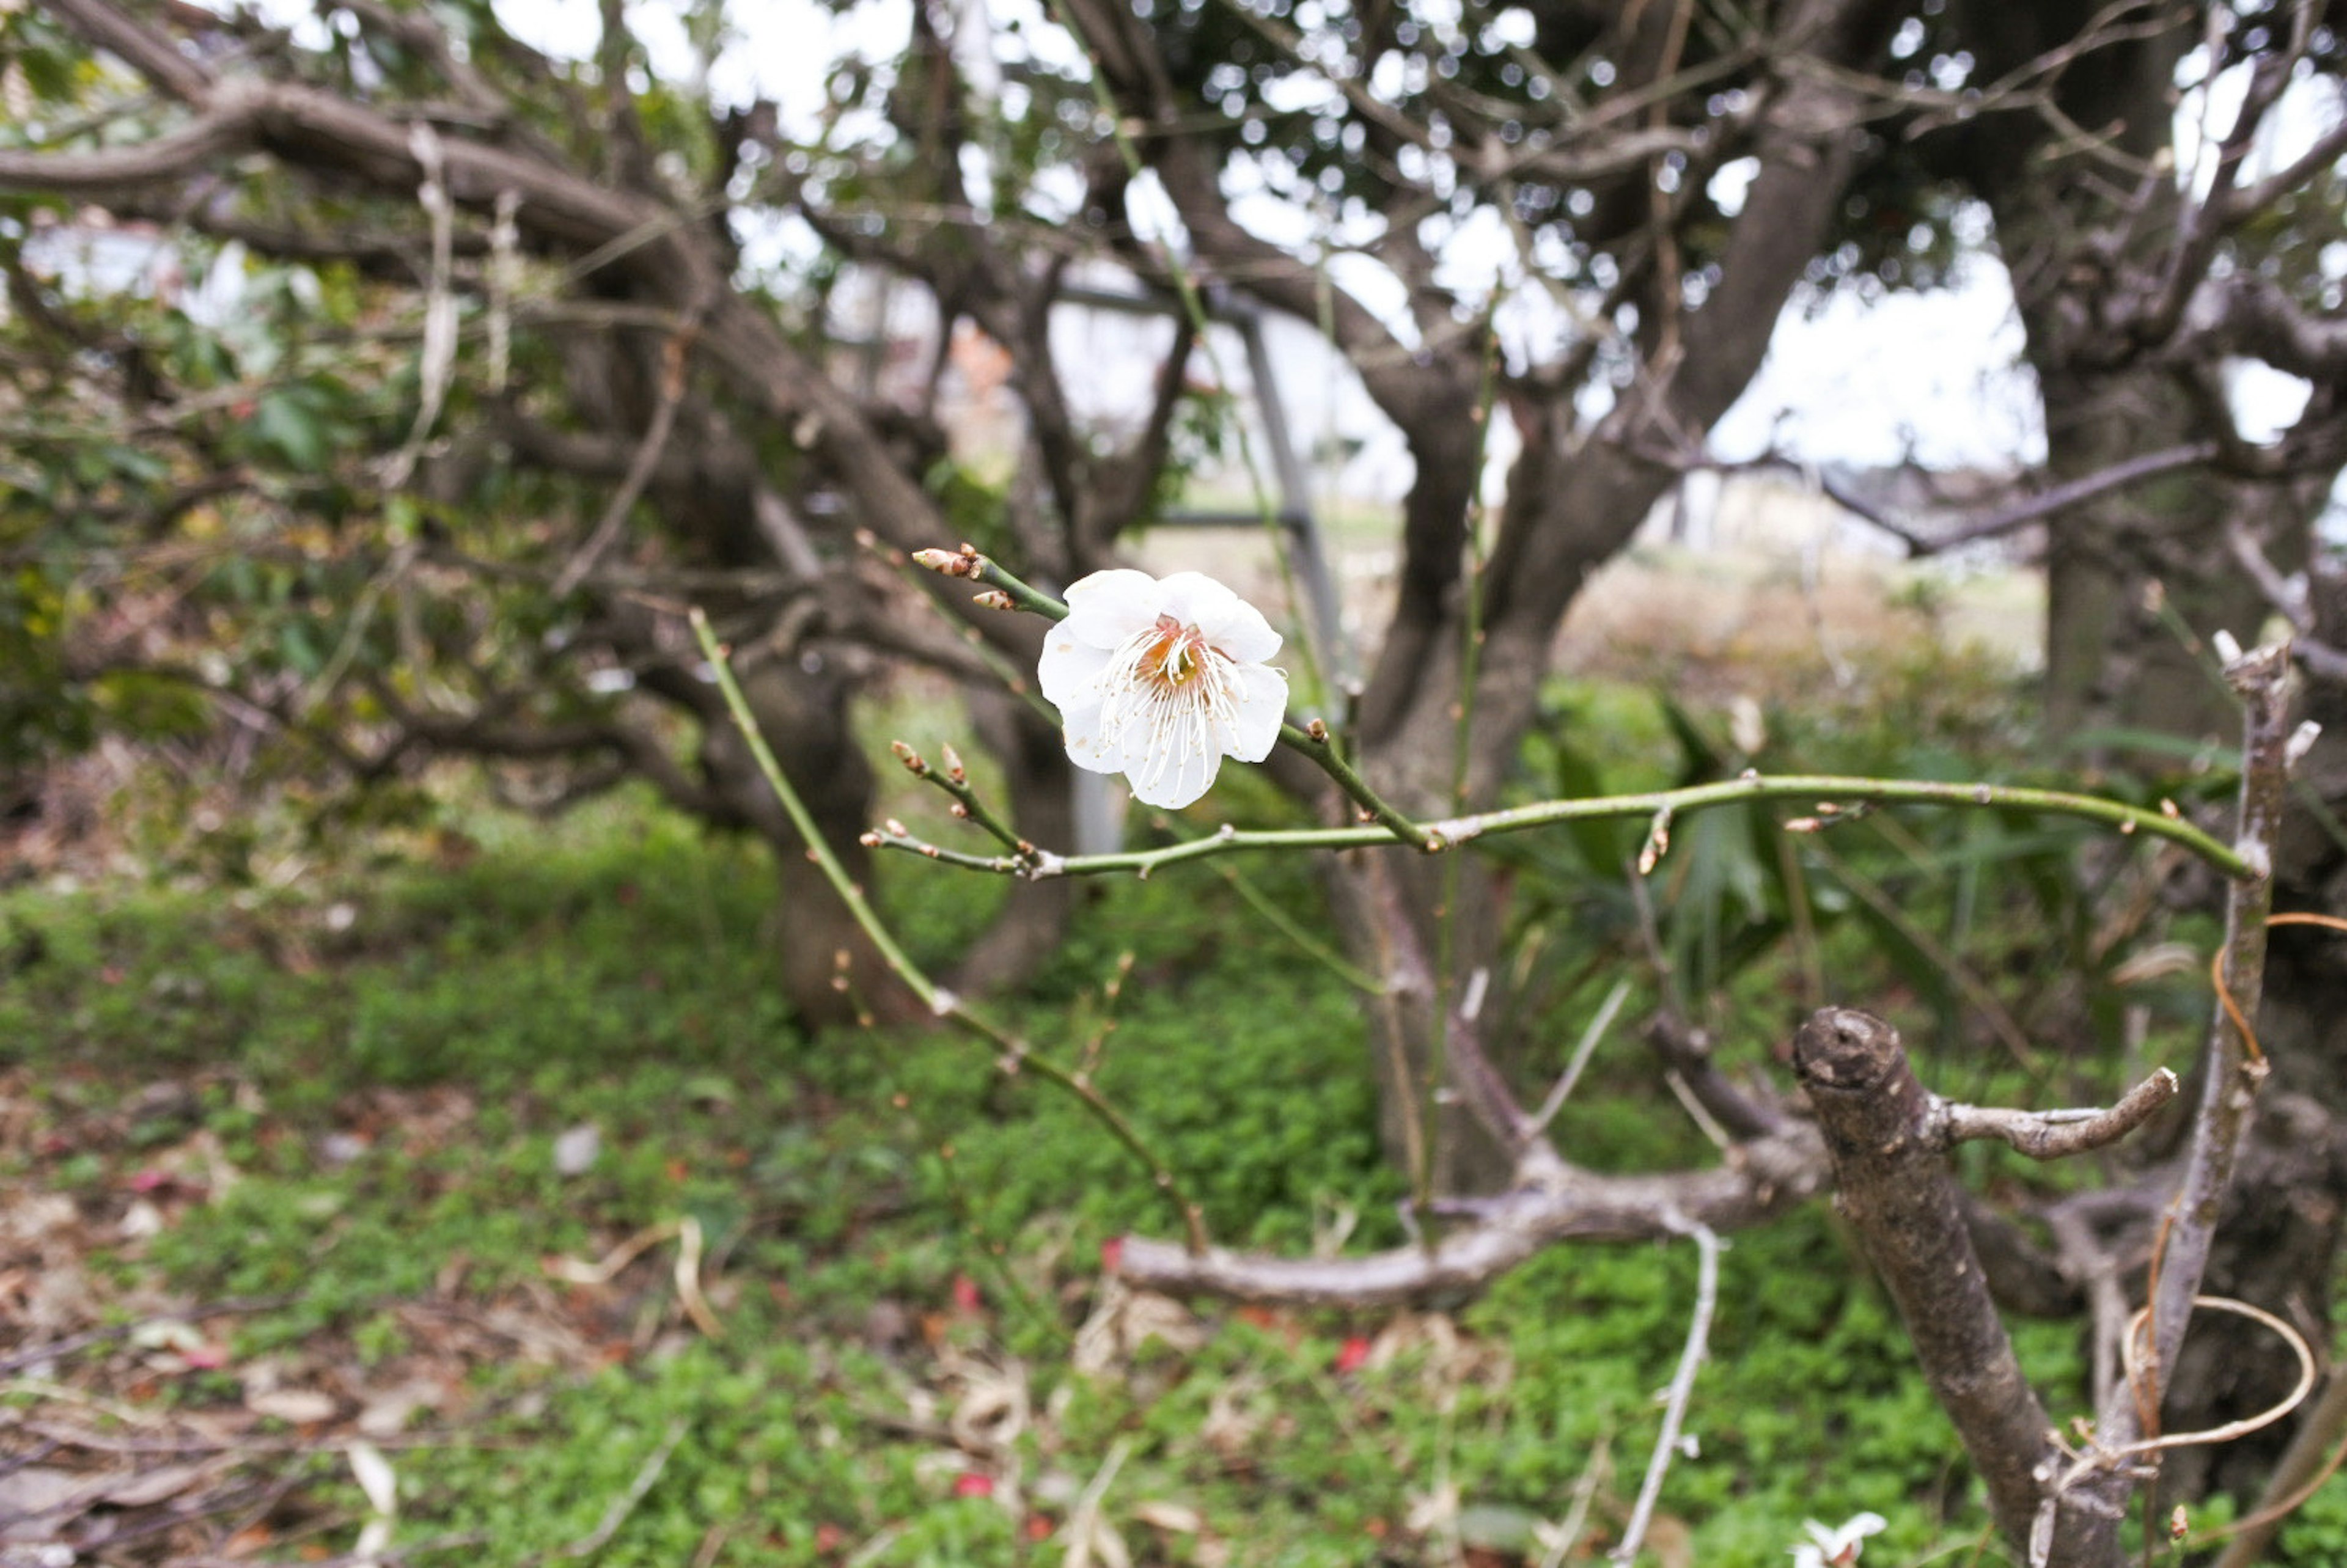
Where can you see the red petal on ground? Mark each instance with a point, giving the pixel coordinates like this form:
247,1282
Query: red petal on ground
1353,1354
971,1483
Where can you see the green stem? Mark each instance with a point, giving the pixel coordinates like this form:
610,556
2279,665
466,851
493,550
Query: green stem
1288,927
1322,750
1016,1055
1033,601
955,781
1471,652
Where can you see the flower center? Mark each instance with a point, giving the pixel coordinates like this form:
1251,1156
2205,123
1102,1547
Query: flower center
1174,656
1169,695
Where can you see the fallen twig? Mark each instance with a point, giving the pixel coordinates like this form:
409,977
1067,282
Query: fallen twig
1682,1389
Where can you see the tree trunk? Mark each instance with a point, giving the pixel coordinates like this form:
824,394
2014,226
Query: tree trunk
1576,496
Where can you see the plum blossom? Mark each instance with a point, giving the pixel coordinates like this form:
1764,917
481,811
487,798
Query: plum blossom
1837,1547
1161,679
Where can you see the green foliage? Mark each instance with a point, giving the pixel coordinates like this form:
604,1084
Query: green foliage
470,1014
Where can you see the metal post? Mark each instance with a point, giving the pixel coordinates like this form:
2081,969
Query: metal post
1324,621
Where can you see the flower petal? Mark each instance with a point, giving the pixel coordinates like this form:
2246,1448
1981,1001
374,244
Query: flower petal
1193,599
1171,779
1227,621
1069,667
1088,748
1108,607
1260,704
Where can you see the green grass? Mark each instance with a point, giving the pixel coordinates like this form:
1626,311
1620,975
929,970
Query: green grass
390,1088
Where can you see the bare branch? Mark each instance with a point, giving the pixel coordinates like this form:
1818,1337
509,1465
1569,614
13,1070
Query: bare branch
1761,1179
2019,514
673,356
149,54
203,144
2055,1135
2231,1068
1893,1184
2202,231
2247,314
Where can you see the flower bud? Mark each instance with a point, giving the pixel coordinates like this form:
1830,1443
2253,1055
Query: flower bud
910,758
994,598
954,770
953,563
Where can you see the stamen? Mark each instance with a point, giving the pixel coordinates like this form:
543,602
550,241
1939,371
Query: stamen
1177,688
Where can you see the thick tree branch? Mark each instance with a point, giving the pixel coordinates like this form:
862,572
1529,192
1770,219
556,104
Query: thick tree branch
1892,1179
213,137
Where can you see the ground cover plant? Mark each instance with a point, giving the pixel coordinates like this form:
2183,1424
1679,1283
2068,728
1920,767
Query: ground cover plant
344,1109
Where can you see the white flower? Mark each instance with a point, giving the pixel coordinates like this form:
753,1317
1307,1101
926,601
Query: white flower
1159,681
1840,1546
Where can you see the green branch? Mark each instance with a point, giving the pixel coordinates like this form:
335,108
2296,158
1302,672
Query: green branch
1436,837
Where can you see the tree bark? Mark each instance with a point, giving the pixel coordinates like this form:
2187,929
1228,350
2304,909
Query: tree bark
1891,1178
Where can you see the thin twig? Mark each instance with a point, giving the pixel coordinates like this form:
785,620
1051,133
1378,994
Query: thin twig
954,779
1606,1012
674,356
1682,1389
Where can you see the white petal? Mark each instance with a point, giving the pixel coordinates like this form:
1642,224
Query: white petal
1227,621
1181,779
1194,599
1262,703
1069,667
1087,747
1108,607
